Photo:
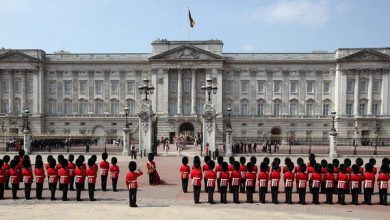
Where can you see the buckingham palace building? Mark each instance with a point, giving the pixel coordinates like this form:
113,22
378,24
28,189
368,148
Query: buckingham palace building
275,95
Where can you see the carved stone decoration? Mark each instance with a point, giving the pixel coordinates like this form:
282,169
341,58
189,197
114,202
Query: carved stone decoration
144,122
188,54
209,126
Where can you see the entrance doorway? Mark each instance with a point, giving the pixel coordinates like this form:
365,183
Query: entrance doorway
99,134
276,135
186,130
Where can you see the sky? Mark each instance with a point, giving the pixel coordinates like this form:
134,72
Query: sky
129,26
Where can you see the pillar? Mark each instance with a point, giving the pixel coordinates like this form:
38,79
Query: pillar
356,96
333,143
385,94
41,91
27,141
369,92
125,141
193,92
24,91
179,91
229,142
11,92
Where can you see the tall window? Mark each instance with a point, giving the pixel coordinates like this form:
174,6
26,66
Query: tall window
17,86
260,109
310,87
67,87
98,107
172,86
277,86
187,86
52,107
131,106
375,109
293,108
350,86
187,107
260,86
29,86
244,86
172,108
277,109
363,86
326,87
244,109
130,86
5,85
310,108
376,88
325,109
362,109
30,105
18,107
83,107
114,107
199,106
114,87
228,86
83,87
67,107
349,109
52,87
293,86
99,87
5,106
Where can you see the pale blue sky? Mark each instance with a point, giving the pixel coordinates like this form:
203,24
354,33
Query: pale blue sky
243,25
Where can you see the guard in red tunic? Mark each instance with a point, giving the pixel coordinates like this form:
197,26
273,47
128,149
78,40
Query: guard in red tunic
274,178
254,171
336,171
230,170
114,170
373,162
383,184
224,175
316,180
52,173
104,167
263,181
310,171
131,183
196,176
154,178
79,178
329,184
369,181
91,175
95,166
64,179
302,178
250,178
354,180
58,167
297,170
242,172
359,162
71,169
211,179
84,168
342,178
205,168
289,181
236,176
14,178
348,171
324,164
2,180
6,167
218,170
28,177
184,174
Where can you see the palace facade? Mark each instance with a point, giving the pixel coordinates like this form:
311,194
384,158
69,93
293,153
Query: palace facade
275,95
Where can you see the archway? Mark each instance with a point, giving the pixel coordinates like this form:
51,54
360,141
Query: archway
186,130
99,134
276,135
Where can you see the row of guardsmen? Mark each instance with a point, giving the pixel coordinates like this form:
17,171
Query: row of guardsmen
326,178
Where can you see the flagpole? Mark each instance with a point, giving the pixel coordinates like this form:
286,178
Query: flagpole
188,30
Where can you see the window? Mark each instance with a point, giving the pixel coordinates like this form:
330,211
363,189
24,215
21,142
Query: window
98,107
68,107
276,109
228,86
326,87
325,109
293,86
17,86
131,107
362,109
5,86
83,108
187,86
375,109
52,107
260,109
172,108
350,86
83,87
172,86
5,106
52,87
18,106
260,86
200,84
293,108
244,86
29,86
130,86
363,86
310,87
99,87
244,109
187,107
310,108
199,106
277,85
30,105
349,109
376,86
67,87
114,87
114,107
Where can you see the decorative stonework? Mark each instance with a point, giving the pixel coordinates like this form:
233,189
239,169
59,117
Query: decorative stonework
188,54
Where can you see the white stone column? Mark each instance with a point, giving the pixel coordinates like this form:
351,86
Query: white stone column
332,144
338,91
385,94
179,91
356,96
165,96
369,93
41,91
1,90
11,92
27,141
229,142
24,91
125,141
193,92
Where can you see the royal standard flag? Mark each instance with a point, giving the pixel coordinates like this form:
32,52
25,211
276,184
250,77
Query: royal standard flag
192,21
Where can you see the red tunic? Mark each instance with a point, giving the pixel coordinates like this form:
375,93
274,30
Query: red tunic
91,175
184,171
236,176
288,179
205,168
383,181
79,175
196,176
263,179
71,168
64,176
151,165
355,179
53,175
6,169
342,180
336,171
230,169
211,176
302,180
95,167
297,169
218,170
310,171
2,176
274,177
224,179
250,179
242,171
131,179
369,180
114,170
104,167
47,166
317,179
329,180
39,175
14,176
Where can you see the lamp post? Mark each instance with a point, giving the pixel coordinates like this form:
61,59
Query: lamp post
209,117
26,132
209,87
289,133
377,127
126,115
229,111
3,130
332,137
355,140
126,133
229,130
145,88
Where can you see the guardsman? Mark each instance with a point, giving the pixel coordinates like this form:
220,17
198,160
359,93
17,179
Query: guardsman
152,170
348,171
288,178
236,176
64,179
218,170
104,167
6,167
242,172
359,162
230,169
2,180
250,178
324,164
310,171
342,182
184,173
205,168
329,184
311,157
91,175
79,178
302,182
196,176
84,168
224,182
315,180
263,181
131,183
336,171
297,170
254,171
27,178
52,173
383,184
211,179
355,179
274,178
14,177
373,162
114,170
95,166
369,180
58,167
71,169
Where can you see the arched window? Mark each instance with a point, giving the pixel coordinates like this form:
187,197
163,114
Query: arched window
310,107
83,107
114,107
52,107
98,107
260,107
244,107
277,107
130,103
18,106
294,107
67,107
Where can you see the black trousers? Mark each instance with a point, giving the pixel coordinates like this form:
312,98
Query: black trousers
1,190
218,185
341,196
316,192
197,193
242,185
114,183
64,188
310,185
288,191
205,185
322,190
329,195
383,196
6,183
355,196
262,192
274,192
184,185
235,190
367,195
27,190
14,190
133,197
210,191
71,183
223,191
78,191
302,196
249,194
52,187
151,178
91,191
104,182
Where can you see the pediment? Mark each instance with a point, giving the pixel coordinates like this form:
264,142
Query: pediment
16,56
366,55
186,52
